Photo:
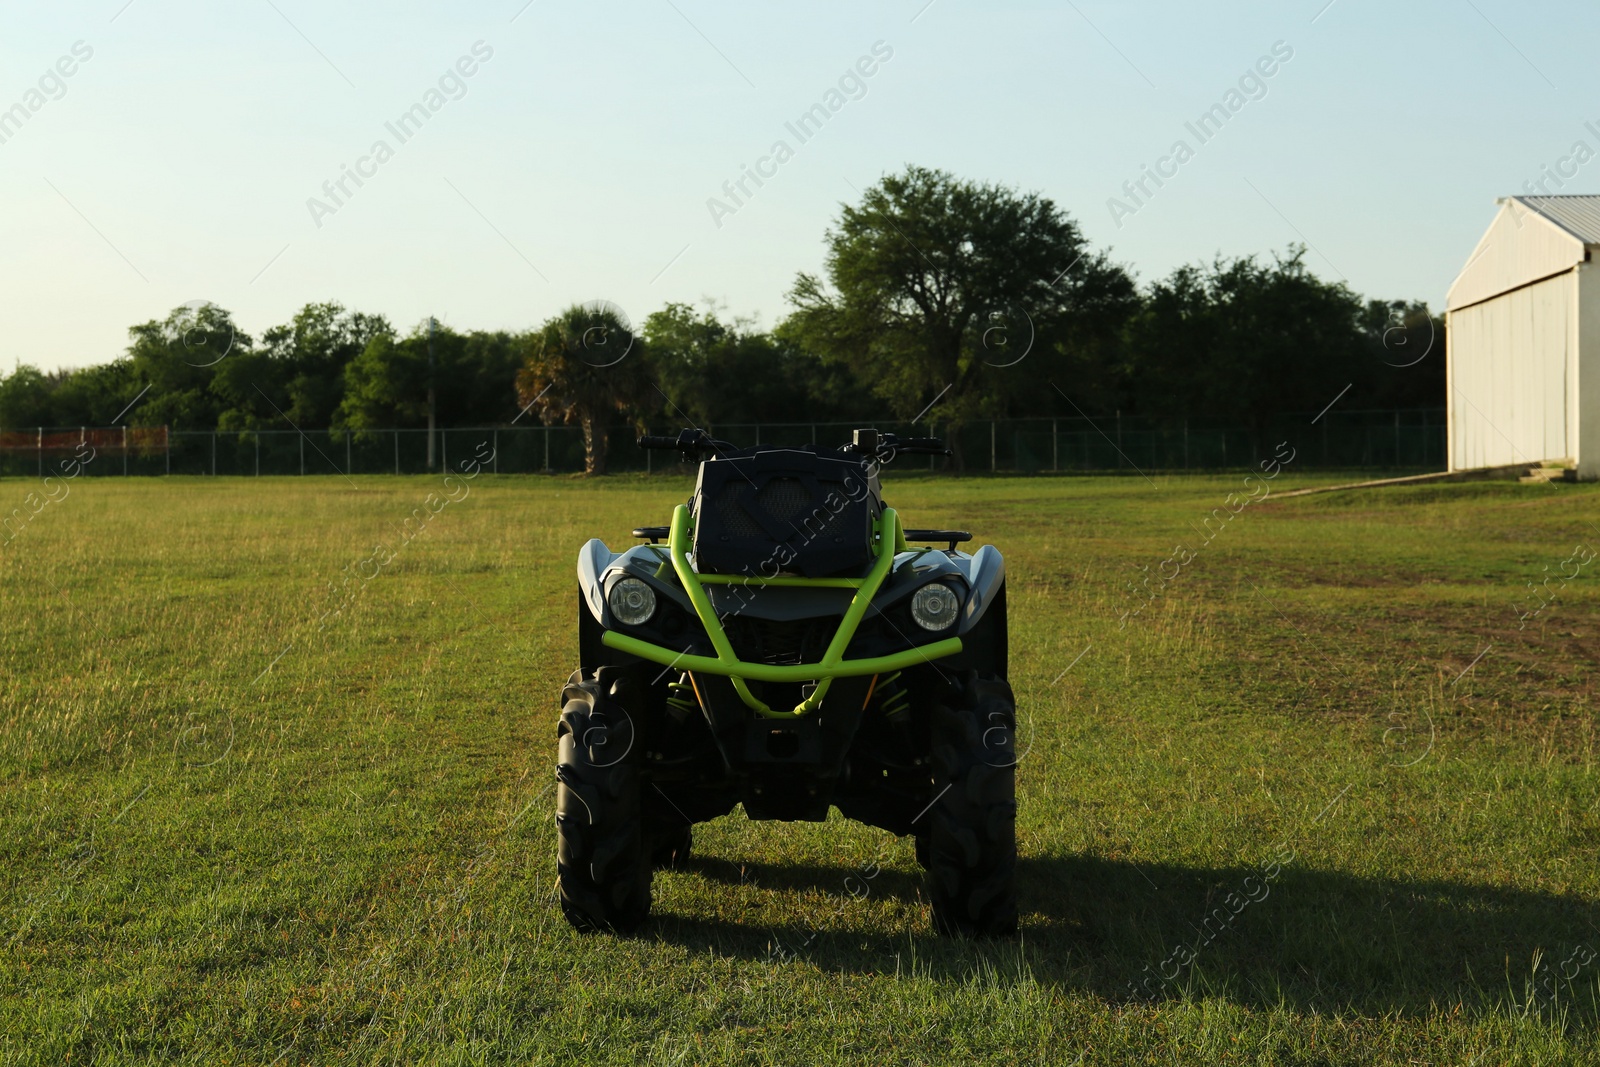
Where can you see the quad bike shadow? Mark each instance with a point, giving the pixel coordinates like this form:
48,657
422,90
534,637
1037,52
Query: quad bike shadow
1317,940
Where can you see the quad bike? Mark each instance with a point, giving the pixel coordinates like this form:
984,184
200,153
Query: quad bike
788,649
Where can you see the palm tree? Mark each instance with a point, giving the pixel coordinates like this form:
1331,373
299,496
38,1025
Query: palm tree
585,366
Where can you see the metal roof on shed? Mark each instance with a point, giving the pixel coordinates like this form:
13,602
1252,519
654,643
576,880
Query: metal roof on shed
1578,215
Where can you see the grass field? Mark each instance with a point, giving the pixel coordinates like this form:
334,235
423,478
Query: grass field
1323,800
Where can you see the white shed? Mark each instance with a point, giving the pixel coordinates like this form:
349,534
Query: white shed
1523,340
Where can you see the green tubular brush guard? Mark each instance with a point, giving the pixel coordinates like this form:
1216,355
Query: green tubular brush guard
890,540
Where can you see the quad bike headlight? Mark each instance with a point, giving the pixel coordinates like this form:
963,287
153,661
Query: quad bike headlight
632,602
934,606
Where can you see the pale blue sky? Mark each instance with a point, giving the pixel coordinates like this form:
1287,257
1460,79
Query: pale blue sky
178,163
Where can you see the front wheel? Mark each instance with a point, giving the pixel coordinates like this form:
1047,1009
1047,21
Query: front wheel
971,851
604,870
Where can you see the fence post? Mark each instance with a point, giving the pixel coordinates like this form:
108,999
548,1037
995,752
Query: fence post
547,448
1185,444
257,436
41,449
1119,438
302,455
397,451
496,446
444,450
166,437
124,451
1055,449
347,467
992,424
1397,437
213,453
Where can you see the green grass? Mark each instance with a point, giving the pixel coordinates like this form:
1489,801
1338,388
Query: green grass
232,833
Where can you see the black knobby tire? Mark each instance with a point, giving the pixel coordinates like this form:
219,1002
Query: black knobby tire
971,825
604,871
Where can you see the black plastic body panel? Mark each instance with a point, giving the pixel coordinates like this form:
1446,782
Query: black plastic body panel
789,511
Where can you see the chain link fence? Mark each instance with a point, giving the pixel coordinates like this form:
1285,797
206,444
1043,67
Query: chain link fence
1389,440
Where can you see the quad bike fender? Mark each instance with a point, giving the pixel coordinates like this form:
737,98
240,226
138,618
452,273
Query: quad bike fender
598,566
593,559
985,572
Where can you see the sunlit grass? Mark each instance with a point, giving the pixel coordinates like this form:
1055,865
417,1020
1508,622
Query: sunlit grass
259,808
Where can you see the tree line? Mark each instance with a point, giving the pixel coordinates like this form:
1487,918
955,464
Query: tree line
939,297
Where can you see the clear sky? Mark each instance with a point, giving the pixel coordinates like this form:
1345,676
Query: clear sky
576,161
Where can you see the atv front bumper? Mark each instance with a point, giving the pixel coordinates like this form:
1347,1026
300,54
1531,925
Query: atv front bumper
890,539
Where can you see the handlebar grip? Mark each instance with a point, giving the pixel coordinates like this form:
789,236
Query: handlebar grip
922,446
647,441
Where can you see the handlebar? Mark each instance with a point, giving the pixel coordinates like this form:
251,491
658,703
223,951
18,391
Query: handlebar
689,442
885,446
882,447
926,446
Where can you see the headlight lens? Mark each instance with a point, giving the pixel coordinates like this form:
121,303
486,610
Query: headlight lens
934,606
632,602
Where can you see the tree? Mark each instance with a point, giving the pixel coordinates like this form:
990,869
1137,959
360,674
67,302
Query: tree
387,384
1405,347
297,373
482,388
474,376
177,359
93,396
25,399
585,366
713,371
1246,339
942,286
96,396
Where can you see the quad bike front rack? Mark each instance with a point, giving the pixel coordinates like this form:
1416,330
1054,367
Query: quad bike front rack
890,540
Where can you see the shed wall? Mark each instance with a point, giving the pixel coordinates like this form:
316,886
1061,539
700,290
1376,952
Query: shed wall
1512,369
1585,394
1519,247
